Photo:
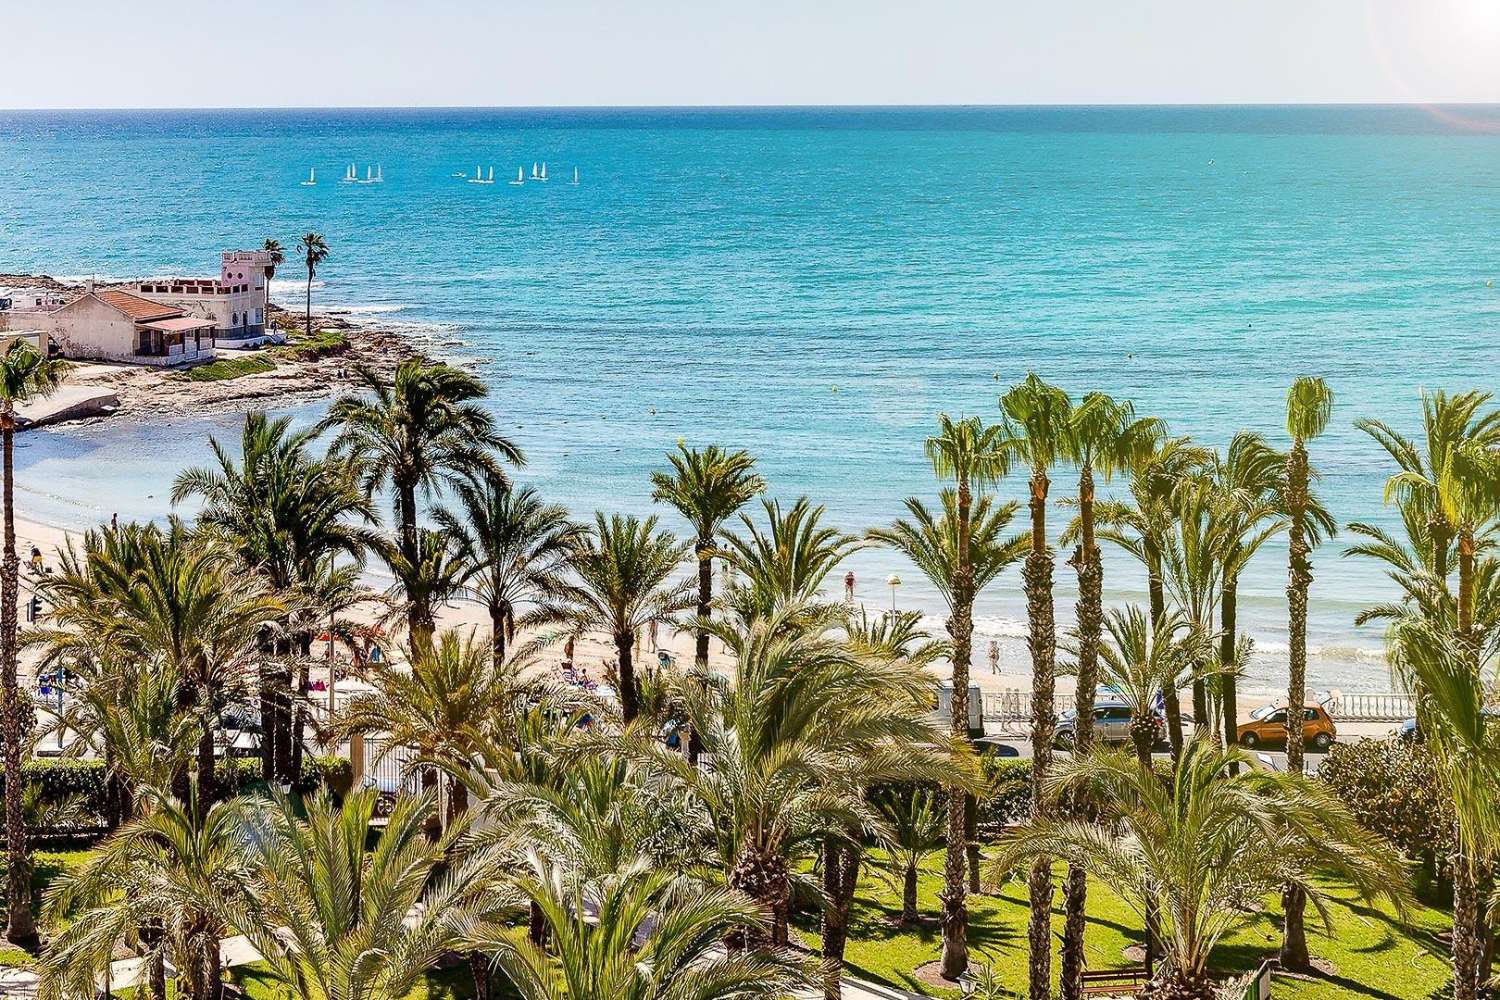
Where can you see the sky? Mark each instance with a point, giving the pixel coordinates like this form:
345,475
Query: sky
411,53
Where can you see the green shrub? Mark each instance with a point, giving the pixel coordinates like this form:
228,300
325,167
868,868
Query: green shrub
61,778
1009,797
228,368
1392,787
322,344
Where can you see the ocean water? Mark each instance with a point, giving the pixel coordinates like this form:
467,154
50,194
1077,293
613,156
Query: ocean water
815,285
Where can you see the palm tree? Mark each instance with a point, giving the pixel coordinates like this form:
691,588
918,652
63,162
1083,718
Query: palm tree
1309,404
913,827
1104,436
707,487
1247,479
421,428
516,547
1142,527
428,575
286,514
968,452
1427,480
335,918
624,568
643,934
278,257
437,711
25,374
803,725
1206,846
1194,575
176,869
785,564
1036,429
1465,745
314,253
940,545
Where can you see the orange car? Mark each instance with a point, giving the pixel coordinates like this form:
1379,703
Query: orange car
1268,725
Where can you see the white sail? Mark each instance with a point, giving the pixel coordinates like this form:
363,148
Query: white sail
520,177
544,170
492,175
380,173
575,175
312,177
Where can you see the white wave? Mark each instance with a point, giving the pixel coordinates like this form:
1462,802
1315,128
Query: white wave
287,286
381,310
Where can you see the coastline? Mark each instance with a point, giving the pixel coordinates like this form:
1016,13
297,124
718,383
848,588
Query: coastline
300,371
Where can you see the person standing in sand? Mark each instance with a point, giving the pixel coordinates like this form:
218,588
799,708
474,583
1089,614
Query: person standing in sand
994,656
849,587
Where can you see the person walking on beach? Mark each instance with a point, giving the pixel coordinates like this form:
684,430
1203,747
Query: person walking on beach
114,522
654,645
994,657
849,587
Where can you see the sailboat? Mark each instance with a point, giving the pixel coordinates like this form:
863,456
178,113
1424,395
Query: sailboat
478,177
520,177
575,176
534,175
312,177
350,177
543,178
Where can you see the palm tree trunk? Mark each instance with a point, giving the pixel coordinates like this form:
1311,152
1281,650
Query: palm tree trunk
1466,553
213,977
1228,614
1156,594
21,927
909,914
207,780
309,303
955,922
283,703
1036,576
1465,925
1090,615
497,637
156,976
630,698
299,707
764,878
705,599
840,876
536,924
1299,581
479,968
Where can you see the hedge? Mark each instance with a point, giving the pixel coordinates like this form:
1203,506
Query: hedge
1392,787
62,777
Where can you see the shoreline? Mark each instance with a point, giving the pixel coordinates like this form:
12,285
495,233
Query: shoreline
301,372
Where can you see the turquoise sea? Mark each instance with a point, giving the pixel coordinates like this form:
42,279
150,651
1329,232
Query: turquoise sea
816,284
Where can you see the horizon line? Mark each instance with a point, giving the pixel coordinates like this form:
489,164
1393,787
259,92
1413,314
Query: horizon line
1039,105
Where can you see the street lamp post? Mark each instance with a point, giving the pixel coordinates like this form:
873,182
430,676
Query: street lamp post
893,581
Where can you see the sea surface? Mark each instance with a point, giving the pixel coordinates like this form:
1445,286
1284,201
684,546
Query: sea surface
815,285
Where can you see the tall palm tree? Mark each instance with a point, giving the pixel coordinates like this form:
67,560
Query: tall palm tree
25,374
1142,526
516,547
422,427
1207,846
1104,438
1465,745
707,487
285,513
643,934
624,570
785,564
1247,479
1194,575
978,542
1427,480
314,252
278,257
1309,404
1036,429
337,919
177,869
968,452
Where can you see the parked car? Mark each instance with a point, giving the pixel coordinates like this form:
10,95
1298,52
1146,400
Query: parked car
1111,724
1267,726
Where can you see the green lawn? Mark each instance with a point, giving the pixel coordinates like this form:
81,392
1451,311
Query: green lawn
228,368
46,866
440,984
1375,957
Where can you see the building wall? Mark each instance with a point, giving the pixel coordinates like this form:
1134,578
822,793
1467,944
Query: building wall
88,329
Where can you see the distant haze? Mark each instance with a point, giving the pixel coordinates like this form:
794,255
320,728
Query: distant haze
379,53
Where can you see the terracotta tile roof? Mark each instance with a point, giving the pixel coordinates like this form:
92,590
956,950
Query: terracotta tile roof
179,323
134,306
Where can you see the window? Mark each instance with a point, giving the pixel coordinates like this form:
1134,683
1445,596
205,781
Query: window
234,319
1310,714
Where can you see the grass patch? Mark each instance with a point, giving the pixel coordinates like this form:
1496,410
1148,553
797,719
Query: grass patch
438,984
46,866
1376,956
322,344
229,368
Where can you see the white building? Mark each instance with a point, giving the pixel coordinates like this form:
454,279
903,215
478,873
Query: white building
235,301
115,325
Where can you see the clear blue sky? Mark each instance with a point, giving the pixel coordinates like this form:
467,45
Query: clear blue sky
161,53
